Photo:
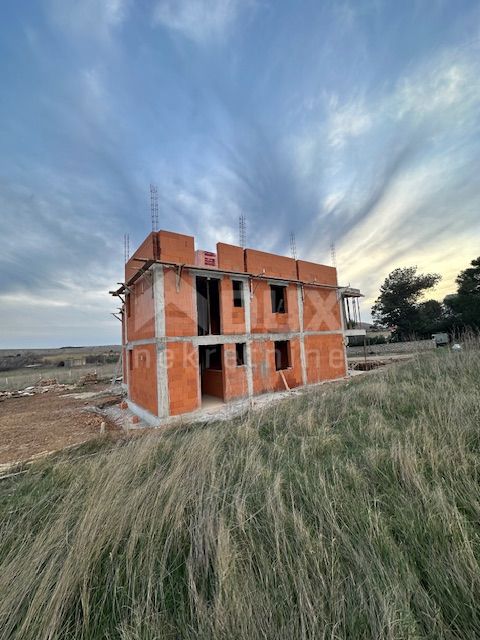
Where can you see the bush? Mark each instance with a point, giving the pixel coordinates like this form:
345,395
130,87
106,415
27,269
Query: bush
357,341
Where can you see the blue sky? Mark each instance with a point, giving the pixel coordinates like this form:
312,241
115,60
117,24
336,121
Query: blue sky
356,123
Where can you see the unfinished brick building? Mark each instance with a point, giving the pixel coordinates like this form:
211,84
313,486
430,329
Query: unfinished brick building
198,325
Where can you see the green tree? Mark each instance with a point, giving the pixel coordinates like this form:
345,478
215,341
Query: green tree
431,317
465,304
398,303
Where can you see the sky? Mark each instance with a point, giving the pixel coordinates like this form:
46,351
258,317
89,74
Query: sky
350,122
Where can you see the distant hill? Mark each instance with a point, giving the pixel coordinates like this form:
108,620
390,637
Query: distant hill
52,351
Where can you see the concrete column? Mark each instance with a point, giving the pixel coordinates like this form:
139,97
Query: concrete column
159,309
194,342
159,300
342,317
125,353
248,331
302,337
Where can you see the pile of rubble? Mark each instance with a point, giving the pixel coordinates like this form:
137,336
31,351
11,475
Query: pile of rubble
368,366
43,386
49,384
89,378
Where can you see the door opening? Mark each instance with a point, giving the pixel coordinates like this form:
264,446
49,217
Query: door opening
208,306
211,374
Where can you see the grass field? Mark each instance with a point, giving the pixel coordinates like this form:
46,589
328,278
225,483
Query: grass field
351,512
21,378
17,372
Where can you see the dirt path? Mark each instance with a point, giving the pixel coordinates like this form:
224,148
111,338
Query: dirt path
32,426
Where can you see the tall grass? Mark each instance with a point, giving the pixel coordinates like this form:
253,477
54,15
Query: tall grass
350,512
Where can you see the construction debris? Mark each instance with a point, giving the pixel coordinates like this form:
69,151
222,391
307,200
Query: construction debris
368,366
48,382
41,387
89,378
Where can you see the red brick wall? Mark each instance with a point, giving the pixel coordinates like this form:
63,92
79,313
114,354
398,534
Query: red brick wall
212,382
293,375
325,357
235,378
265,377
263,320
278,266
140,310
142,376
183,377
180,306
176,247
232,318
321,273
162,245
262,364
321,309
230,257
145,251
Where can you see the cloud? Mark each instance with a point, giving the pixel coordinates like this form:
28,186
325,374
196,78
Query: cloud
449,85
312,123
44,321
374,173
439,94
199,20
59,269
351,120
94,96
427,216
396,179
95,19
26,301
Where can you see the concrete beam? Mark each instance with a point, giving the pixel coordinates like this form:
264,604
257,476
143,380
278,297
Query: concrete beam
233,338
149,418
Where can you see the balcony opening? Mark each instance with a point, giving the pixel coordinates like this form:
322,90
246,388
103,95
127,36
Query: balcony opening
208,306
279,298
282,354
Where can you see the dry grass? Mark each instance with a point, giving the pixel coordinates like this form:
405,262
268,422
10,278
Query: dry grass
351,512
21,378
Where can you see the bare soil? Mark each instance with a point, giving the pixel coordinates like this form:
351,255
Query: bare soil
36,425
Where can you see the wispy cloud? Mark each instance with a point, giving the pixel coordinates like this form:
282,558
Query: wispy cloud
412,185
56,264
88,18
199,20
94,96
447,86
349,120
